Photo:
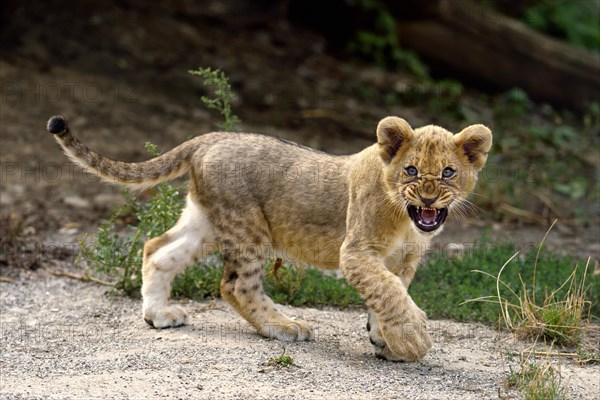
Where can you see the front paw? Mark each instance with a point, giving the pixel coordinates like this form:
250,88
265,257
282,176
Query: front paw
406,337
380,347
166,317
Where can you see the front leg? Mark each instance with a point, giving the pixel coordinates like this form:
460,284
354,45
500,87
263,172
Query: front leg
400,323
404,266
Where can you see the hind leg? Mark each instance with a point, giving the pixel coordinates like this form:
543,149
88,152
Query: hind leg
243,250
242,288
166,256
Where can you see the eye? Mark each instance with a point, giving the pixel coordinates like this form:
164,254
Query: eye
411,171
448,173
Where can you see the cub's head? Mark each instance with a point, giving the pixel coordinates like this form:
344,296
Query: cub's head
430,171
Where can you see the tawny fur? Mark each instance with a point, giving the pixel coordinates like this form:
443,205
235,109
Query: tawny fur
254,196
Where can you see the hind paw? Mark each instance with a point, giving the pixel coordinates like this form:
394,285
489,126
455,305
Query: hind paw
166,317
288,331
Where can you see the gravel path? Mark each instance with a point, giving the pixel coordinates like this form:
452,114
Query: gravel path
63,338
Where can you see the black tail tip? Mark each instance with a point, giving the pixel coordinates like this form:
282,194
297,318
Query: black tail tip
57,125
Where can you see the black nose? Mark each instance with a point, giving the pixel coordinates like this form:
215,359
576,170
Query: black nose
428,202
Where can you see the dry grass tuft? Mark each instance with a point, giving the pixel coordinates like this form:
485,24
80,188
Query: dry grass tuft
559,319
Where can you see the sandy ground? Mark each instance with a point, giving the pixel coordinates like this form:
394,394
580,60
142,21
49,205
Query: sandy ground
63,338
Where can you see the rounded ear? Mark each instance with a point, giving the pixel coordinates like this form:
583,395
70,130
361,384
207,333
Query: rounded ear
392,133
474,142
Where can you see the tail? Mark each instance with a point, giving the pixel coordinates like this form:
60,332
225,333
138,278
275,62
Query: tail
138,175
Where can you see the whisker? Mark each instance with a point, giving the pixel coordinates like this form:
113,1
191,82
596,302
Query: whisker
475,208
469,210
474,194
457,212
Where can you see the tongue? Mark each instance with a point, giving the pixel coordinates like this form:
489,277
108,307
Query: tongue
428,215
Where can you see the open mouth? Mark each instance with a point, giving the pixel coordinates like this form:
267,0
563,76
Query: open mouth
427,219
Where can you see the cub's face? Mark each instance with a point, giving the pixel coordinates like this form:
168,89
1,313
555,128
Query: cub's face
430,171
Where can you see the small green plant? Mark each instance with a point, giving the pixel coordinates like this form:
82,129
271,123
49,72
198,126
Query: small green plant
282,360
223,95
536,380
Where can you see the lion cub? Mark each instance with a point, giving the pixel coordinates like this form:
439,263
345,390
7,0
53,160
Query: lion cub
370,213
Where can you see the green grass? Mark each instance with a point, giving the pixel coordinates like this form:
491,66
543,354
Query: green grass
199,282
537,380
588,357
308,287
442,283
282,360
